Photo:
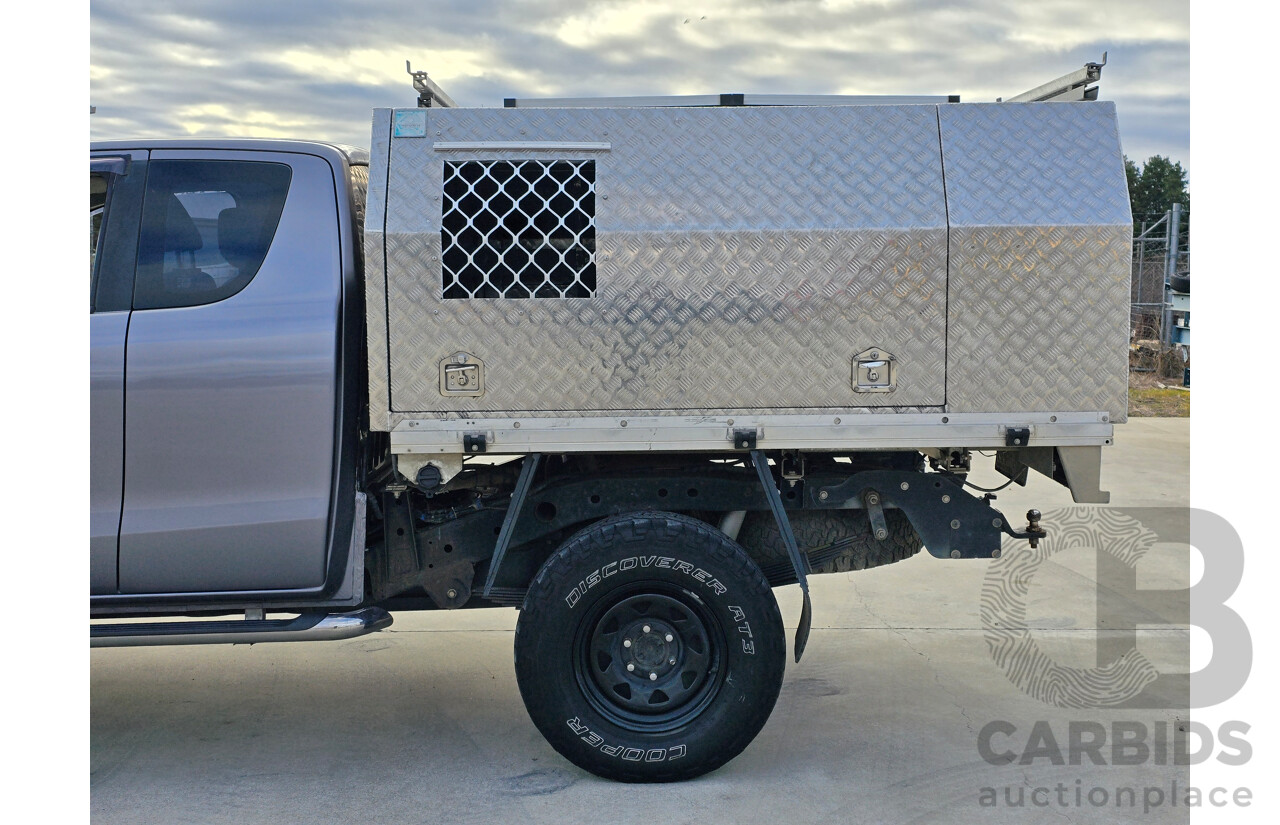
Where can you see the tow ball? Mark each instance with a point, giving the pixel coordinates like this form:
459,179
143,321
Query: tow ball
1033,532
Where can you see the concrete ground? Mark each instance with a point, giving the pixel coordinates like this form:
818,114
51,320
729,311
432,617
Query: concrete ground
879,723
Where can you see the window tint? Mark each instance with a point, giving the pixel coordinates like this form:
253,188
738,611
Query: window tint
206,228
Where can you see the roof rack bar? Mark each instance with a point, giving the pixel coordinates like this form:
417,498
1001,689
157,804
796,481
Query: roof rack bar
610,102
429,94
846,100
721,100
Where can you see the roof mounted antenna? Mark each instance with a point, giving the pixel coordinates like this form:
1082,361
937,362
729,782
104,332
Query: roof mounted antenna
1069,87
429,94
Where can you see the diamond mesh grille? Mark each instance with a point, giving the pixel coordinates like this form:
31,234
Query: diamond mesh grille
518,229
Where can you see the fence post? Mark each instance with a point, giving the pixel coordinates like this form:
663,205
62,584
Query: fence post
1170,269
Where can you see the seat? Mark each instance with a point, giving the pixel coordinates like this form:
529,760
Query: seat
240,241
182,238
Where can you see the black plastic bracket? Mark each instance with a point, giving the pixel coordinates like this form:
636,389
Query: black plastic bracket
799,562
475,443
744,438
1017,436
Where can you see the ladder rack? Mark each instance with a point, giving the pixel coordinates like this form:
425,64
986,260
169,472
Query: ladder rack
1073,86
429,94
1070,87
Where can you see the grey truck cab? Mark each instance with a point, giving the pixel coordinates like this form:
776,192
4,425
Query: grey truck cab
225,332
624,365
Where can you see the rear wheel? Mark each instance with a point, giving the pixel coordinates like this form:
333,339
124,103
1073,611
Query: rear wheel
650,648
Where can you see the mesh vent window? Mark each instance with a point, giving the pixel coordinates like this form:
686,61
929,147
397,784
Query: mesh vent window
519,229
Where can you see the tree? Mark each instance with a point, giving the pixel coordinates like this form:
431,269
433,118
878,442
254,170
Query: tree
1132,174
1155,186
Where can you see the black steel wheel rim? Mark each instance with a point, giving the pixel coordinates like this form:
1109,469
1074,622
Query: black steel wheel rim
649,657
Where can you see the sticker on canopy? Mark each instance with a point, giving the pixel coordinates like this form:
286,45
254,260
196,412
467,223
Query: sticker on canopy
411,123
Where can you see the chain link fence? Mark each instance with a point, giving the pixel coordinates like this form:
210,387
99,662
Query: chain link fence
1161,250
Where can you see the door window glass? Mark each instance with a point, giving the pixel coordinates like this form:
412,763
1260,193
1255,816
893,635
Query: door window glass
206,228
97,207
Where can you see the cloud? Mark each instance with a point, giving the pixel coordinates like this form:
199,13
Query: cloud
318,69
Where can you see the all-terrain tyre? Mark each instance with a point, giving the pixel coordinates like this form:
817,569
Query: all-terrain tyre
816,529
649,648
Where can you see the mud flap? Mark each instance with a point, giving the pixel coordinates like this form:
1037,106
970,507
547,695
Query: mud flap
799,562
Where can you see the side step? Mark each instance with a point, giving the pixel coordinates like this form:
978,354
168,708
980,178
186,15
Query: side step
308,627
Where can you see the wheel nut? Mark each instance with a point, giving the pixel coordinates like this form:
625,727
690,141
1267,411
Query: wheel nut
670,638
631,666
646,628
626,643
671,661
653,677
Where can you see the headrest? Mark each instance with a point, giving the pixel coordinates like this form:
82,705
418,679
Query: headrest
180,233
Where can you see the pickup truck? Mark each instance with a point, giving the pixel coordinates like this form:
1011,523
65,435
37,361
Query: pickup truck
624,366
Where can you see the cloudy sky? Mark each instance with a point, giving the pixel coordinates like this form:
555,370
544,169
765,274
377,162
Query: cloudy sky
316,69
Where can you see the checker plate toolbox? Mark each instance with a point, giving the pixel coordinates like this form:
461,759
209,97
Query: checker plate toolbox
832,277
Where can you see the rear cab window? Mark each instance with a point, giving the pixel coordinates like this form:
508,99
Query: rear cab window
206,229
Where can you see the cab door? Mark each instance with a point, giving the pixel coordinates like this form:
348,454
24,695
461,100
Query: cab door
231,383
116,181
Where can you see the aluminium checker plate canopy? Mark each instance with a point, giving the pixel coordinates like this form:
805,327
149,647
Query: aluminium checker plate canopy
744,264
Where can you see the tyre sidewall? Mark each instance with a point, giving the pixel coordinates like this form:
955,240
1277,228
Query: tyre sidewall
662,553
